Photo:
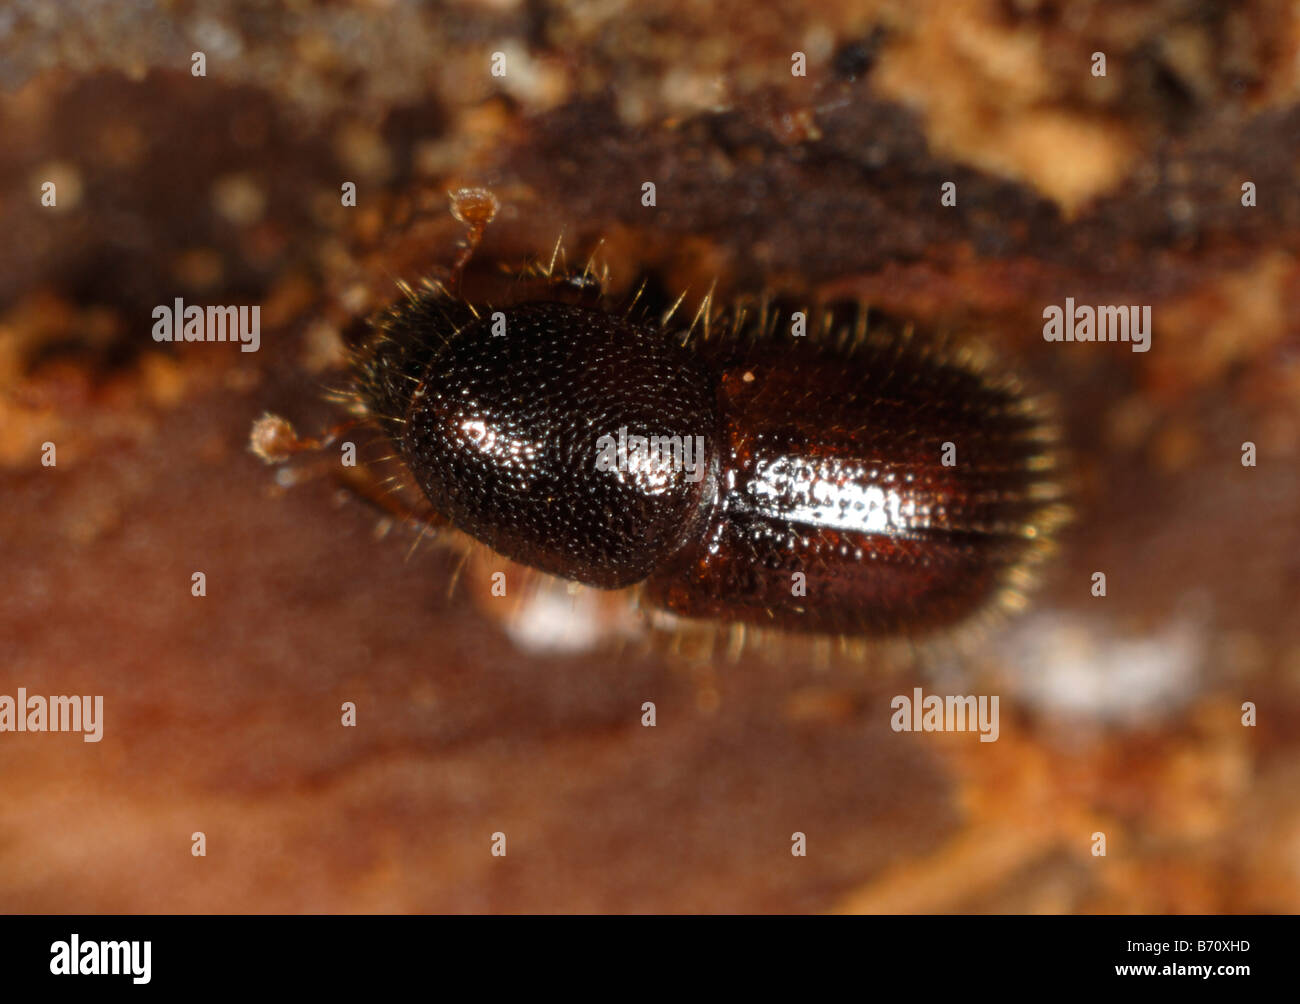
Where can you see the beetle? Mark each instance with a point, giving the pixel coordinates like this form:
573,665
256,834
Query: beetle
854,480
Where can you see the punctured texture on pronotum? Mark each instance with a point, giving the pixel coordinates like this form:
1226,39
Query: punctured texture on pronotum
822,455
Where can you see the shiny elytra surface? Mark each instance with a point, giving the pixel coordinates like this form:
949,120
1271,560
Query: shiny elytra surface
832,463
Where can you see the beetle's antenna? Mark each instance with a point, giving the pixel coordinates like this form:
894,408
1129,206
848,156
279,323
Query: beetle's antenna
475,208
274,439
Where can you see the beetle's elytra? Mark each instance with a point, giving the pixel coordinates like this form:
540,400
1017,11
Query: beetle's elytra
845,482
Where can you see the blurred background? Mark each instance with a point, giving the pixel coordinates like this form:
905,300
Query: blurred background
1120,715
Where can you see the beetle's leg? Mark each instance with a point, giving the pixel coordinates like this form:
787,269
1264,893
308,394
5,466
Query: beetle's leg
555,278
